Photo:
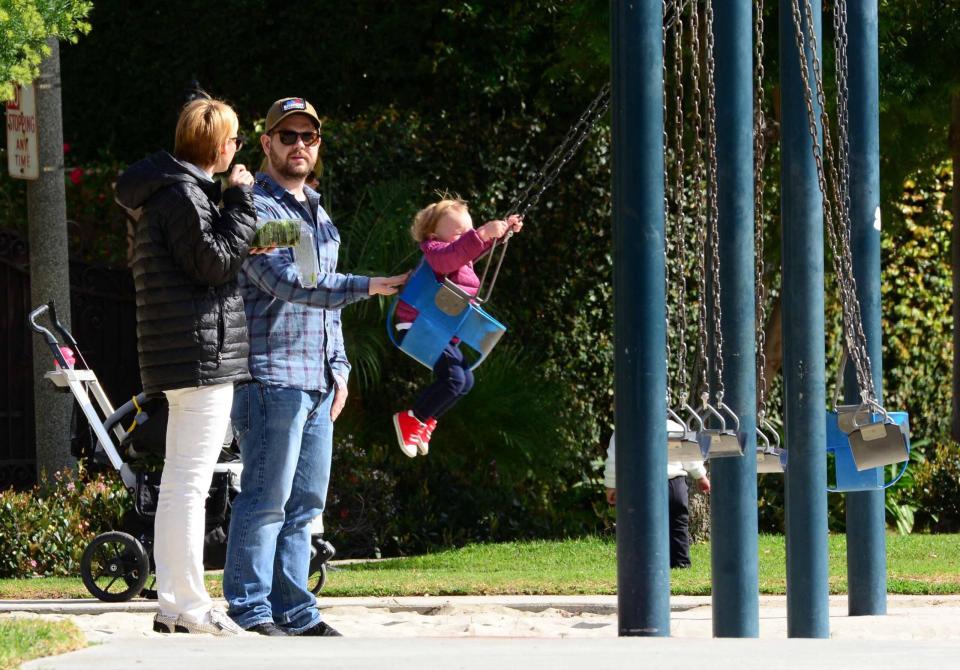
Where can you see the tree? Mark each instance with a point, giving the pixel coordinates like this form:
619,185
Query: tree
25,26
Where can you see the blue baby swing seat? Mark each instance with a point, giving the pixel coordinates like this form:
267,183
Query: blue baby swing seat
445,312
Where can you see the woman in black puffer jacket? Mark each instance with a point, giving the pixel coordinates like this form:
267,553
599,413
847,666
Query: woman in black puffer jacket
191,334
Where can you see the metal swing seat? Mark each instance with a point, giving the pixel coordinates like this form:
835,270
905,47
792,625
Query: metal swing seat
771,456
445,312
683,444
722,442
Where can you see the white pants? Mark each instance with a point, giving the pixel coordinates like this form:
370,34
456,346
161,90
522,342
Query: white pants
195,431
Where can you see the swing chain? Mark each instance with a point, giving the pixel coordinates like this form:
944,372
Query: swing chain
548,173
699,215
840,219
840,45
837,220
543,179
759,160
713,232
666,201
565,151
679,237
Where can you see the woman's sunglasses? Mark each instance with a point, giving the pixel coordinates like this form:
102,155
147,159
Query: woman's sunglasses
238,140
289,137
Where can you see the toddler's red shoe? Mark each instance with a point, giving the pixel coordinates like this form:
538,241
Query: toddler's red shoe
408,432
424,445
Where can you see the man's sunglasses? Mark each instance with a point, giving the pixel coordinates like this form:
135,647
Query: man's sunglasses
289,137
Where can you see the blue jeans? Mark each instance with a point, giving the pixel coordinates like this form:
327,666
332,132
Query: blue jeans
453,379
286,443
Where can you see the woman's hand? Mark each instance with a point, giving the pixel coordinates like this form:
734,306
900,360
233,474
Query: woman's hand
239,176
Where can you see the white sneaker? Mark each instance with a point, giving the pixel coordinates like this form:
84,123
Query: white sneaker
217,623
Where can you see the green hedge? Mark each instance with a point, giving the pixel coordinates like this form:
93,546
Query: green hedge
44,531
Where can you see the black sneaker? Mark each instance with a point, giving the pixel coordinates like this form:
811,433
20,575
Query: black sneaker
268,628
321,629
163,623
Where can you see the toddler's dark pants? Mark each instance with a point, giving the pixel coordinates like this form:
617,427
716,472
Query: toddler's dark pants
452,380
678,501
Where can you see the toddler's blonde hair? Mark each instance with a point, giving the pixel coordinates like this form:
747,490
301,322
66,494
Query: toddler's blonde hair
426,220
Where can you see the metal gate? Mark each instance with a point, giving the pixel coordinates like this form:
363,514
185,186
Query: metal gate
104,323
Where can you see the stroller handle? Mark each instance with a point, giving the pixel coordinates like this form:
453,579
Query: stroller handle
52,307
49,337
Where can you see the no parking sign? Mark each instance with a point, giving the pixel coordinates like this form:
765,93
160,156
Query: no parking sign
23,159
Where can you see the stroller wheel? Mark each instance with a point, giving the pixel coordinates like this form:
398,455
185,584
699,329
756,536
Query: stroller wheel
321,551
114,567
317,579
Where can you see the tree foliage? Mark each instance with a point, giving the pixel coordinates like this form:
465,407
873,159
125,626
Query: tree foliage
919,43
25,27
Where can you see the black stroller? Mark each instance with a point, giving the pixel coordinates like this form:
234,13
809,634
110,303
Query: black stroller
117,565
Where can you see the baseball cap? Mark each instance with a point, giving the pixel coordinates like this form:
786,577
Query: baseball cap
285,107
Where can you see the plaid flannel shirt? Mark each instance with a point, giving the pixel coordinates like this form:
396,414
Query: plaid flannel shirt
296,339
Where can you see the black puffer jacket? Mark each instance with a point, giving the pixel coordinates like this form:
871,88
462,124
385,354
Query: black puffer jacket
191,327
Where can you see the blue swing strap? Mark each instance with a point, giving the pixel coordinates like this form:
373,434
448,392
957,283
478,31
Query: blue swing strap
886,485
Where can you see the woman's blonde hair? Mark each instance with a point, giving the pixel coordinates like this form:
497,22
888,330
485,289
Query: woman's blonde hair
426,220
202,129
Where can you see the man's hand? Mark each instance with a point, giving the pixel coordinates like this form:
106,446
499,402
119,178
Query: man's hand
339,400
387,285
239,176
261,250
612,496
704,484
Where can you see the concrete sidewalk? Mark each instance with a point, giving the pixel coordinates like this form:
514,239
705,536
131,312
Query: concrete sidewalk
506,632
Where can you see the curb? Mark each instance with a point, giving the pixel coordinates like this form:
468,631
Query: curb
428,605
435,605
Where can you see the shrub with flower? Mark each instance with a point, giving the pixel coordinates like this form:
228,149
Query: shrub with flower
44,531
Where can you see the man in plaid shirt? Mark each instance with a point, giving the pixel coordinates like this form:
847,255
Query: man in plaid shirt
283,419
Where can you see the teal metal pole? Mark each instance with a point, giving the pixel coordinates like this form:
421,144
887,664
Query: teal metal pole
803,353
866,539
643,563
733,509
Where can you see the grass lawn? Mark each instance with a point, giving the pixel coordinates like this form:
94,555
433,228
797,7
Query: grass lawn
24,639
916,564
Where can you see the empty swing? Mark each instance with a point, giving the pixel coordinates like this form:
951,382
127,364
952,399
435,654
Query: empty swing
863,437
713,431
771,457
445,310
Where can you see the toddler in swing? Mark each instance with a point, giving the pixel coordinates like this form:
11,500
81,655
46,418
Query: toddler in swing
450,244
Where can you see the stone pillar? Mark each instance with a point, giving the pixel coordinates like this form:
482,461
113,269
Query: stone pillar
49,267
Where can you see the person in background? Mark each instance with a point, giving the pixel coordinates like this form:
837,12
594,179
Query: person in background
678,497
